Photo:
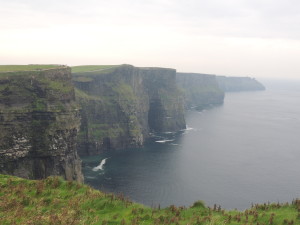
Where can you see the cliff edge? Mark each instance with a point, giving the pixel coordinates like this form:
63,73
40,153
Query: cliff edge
230,84
122,104
200,90
39,121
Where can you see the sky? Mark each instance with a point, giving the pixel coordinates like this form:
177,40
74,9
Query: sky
257,38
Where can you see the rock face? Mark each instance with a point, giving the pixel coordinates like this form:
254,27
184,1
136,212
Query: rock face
230,84
121,105
166,103
39,121
200,90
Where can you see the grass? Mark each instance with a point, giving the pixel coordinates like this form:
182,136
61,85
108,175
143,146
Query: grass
90,68
84,96
10,68
59,86
55,201
83,79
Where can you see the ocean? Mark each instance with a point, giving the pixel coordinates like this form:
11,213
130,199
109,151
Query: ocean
242,152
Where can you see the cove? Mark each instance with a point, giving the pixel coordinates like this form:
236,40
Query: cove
245,151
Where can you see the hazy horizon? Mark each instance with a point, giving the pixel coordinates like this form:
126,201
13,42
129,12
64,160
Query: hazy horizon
254,38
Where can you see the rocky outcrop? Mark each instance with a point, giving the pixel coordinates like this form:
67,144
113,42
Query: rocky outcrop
200,90
39,121
230,84
121,105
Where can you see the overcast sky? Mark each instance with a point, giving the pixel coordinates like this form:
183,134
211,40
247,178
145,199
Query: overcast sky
259,38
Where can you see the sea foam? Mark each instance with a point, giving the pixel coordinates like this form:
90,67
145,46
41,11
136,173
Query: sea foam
100,166
164,141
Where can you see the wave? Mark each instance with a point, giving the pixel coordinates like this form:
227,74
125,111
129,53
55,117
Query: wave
164,141
169,132
100,166
189,128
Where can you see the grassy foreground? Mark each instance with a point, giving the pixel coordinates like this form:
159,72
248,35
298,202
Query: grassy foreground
55,201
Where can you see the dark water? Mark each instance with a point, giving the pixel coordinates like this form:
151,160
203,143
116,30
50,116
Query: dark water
247,150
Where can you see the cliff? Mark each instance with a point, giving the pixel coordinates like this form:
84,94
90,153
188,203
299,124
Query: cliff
200,90
239,84
39,121
121,105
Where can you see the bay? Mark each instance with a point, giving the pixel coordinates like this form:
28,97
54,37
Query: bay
244,151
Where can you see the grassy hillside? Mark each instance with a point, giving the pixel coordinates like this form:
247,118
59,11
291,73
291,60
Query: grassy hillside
9,68
54,201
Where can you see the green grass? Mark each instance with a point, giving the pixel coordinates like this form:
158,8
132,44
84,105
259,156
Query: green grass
55,201
90,68
84,96
10,68
83,79
59,86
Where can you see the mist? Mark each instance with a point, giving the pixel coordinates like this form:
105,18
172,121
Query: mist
237,38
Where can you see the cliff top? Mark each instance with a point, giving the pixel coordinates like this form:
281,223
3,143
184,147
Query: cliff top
54,201
155,68
30,67
91,68
108,68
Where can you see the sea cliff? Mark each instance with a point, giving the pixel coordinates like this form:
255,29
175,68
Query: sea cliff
230,84
122,105
200,90
118,106
39,121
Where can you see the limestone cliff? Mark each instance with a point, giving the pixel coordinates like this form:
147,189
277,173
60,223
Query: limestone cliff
166,103
239,84
200,90
39,121
121,105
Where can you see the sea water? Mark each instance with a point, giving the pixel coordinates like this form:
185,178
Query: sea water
245,151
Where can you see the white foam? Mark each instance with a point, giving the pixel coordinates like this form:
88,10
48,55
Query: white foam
189,128
164,141
100,166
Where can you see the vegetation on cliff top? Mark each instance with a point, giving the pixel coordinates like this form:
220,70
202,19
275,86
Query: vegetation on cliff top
31,88
55,201
91,68
11,68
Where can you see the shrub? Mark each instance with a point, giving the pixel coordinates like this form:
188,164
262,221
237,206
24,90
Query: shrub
199,204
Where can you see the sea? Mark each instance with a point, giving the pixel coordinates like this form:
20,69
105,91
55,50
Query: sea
243,152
